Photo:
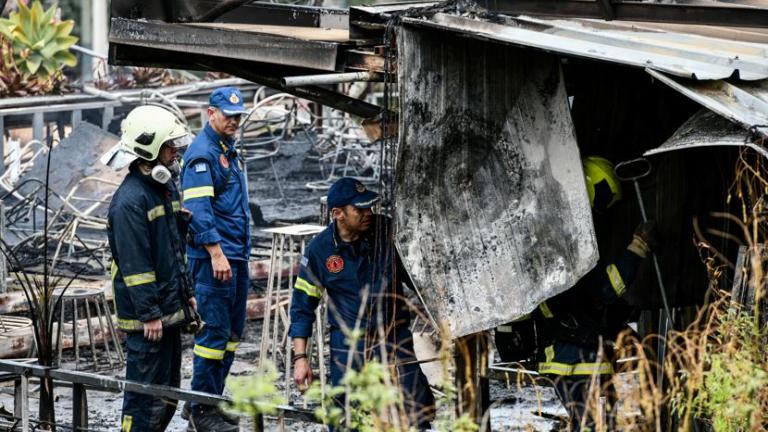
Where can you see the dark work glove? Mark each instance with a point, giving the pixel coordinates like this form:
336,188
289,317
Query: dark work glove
644,239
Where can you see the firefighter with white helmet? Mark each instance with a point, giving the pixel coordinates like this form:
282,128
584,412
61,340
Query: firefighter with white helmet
146,227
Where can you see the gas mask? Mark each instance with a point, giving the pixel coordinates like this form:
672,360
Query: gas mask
162,174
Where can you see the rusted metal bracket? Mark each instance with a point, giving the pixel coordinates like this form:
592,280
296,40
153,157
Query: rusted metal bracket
366,60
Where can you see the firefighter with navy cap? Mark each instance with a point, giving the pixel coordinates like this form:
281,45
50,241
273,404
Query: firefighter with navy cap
354,262
569,327
146,226
214,189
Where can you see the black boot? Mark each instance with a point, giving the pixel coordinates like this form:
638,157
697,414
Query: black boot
233,419
209,419
228,417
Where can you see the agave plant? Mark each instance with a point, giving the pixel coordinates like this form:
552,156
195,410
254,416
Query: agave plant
40,41
13,83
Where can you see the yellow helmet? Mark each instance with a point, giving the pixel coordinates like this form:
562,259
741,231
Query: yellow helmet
603,187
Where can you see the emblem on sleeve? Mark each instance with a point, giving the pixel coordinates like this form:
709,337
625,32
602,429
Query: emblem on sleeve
334,263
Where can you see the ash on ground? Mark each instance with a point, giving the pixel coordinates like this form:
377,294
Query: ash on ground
513,409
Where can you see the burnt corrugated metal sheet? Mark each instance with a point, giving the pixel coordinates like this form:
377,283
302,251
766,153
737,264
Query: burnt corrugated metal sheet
707,129
680,54
744,103
493,216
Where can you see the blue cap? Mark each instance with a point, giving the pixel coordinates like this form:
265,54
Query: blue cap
348,190
229,100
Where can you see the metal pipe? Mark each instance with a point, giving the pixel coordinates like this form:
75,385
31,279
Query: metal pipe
335,78
89,52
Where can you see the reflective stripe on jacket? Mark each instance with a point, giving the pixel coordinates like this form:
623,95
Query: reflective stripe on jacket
214,189
570,324
355,276
143,226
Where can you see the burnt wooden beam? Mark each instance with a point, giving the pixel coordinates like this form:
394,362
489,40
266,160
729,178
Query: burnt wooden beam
364,60
226,44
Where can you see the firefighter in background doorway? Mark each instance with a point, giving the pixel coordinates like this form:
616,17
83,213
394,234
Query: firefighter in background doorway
568,328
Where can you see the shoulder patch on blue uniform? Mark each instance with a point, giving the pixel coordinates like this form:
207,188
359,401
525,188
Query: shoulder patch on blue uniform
201,167
304,261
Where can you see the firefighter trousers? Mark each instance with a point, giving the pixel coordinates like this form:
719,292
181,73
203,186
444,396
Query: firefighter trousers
574,392
418,400
151,363
222,306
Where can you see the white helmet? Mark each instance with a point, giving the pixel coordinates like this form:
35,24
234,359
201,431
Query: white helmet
143,133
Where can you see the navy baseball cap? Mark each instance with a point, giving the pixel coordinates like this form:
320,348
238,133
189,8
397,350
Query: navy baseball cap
229,100
348,190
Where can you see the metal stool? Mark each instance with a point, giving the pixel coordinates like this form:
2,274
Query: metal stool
80,301
274,340
16,336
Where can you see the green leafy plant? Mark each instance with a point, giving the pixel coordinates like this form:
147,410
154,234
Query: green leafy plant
370,394
14,84
256,394
39,40
736,384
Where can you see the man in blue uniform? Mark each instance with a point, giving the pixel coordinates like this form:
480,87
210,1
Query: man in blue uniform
214,189
146,227
355,263
570,326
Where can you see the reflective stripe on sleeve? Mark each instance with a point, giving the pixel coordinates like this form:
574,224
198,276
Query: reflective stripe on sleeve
308,288
113,270
176,205
139,279
232,346
198,192
156,212
136,325
616,281
545,310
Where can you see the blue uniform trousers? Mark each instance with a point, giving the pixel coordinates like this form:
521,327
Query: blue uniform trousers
418,401
222,306
151,363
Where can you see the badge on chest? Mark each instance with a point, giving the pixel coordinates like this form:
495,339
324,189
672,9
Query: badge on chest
334,263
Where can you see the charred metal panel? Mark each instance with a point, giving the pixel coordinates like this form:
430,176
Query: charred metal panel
246,12
708,13
493,216
225,43
707,129
744,103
